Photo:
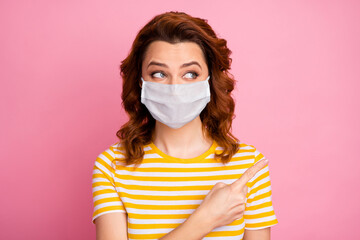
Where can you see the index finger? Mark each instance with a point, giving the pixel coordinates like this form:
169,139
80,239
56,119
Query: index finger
248,174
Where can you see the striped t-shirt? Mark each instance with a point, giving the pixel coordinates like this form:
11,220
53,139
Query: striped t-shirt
163,191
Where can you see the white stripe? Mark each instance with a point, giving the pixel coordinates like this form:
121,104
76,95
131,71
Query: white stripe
111,211
162,212
100,179
254,203
161,202
243,154
147,148
150,155
107,204
119,156
104,169
180,174
175,183
162,193
261,210
106,195
260,182
149,231
98,188
236,155
259,173
97,171
225,238
261,191
158,221
106,159
166,230
260,220
111,153
229,228
209,238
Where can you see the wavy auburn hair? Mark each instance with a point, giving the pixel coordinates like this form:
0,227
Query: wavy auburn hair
174,27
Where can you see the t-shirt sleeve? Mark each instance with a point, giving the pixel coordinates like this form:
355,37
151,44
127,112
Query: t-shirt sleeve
259,212
105,197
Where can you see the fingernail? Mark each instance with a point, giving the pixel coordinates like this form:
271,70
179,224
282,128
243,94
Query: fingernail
266,161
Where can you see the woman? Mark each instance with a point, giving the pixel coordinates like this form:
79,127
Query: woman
177,171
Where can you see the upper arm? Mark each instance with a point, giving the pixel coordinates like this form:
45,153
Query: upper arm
258,234
109,213
111,226
259,211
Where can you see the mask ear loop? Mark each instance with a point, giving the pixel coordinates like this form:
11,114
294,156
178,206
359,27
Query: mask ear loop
140,83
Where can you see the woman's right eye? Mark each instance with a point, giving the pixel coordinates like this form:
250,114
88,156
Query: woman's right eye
158,74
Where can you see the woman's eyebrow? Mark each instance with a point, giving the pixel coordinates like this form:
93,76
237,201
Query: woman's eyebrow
182,66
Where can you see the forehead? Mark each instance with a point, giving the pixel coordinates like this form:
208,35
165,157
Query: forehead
174,52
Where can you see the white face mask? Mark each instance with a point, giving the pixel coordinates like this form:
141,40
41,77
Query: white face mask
175,104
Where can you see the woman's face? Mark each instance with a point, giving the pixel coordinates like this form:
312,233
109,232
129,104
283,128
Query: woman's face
178,63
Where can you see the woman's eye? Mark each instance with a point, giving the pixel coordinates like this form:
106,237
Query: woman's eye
192,74
158,74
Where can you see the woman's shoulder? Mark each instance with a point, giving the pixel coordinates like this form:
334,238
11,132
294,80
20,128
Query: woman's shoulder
245,147
249,150
108,156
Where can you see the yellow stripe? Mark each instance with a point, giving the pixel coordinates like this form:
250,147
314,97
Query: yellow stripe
165,216
158,216
262,176
202,161
104,164
162,207
263,224
262,186
260,215
98,175
106,200
163,188
153,226
103,191
204,169
162,198
116,146
99,184
256,207
261,196
258,157
179,179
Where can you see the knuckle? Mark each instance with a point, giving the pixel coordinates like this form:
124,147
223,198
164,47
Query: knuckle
243,207
220,184
238,216
242,199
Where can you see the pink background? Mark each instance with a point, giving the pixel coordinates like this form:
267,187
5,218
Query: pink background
297,64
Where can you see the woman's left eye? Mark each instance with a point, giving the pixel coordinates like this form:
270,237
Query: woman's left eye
194,74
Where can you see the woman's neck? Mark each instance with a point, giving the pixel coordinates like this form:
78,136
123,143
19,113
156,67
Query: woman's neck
185,142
